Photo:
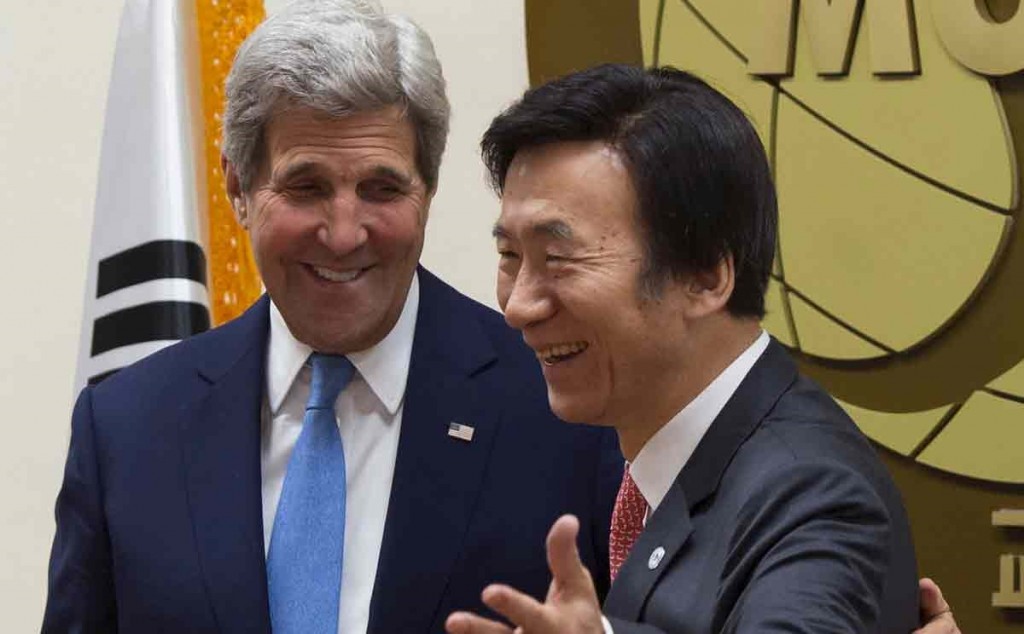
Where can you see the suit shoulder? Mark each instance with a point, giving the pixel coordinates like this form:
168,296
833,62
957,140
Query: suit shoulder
173,370
808,423
807,435
508,342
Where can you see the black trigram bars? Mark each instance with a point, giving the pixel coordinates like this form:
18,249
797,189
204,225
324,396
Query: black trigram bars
157,320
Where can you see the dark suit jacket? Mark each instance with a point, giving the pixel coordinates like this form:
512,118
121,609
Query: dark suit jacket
783,520
159,521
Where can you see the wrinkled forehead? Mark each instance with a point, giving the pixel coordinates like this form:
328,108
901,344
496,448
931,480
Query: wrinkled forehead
303,132
534,218
577,160
564,191
292,120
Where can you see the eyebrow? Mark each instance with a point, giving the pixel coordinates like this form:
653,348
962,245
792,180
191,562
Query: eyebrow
384,171
556,229
305,168
302,168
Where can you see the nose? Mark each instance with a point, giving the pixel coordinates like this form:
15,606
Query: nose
524,300
342,229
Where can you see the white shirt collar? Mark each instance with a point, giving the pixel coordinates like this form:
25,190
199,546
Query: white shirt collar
661,459
384,367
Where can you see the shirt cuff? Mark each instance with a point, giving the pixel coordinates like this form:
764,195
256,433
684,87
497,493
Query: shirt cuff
607,626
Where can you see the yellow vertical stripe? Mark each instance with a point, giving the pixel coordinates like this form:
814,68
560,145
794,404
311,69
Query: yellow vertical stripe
234,280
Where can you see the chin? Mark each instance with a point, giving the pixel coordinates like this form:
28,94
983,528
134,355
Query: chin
569,411
332,338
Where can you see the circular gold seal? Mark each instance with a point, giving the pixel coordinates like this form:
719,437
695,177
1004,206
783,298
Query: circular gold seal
899,280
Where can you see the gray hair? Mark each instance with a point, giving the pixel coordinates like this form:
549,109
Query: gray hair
339,57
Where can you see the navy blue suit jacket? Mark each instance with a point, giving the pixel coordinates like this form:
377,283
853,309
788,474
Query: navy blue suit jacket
159,519
783,520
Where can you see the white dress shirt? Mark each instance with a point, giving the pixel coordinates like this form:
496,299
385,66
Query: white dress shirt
369,413
664,455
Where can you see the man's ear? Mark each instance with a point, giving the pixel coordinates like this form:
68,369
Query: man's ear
234,189
709,290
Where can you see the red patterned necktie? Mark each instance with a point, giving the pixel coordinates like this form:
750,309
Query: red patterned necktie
627,522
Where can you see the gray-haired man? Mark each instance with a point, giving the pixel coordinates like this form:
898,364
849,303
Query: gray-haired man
203,491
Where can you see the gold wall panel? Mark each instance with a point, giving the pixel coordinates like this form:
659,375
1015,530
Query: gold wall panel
601,29
859,235
985,439
734,20
902,433
648,13
961,144
692,46
1012,382
819,335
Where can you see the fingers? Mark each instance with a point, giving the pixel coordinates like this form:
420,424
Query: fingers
572,603
932,601
521,609
563,556
936,617
467,623
942,624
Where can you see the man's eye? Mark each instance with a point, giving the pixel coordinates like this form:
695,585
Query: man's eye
379,191
505,254
304,190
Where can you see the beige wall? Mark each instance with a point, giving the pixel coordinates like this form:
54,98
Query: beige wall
55,60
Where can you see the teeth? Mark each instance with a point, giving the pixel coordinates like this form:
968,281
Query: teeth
337,276
558,353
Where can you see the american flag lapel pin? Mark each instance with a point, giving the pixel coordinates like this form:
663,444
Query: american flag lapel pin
462,432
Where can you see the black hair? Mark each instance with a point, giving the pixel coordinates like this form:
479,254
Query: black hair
696,162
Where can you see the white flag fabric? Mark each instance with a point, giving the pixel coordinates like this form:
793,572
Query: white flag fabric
146,284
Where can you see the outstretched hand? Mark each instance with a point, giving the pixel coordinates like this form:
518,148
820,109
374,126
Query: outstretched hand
571,605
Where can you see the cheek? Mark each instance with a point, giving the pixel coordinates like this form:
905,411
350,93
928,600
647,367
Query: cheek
268,240
399,232
278,230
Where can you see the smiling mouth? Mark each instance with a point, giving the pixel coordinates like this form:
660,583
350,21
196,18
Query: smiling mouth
561,352
332,275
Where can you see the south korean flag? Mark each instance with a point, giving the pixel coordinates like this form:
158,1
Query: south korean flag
146,284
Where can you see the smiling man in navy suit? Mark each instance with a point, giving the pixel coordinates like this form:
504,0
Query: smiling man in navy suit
203,490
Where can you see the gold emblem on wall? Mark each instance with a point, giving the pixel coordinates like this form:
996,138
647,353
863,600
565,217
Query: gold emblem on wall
895,131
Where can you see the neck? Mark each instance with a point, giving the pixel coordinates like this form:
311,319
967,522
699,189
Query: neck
700,364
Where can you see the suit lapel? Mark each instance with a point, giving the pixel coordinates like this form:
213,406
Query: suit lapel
660,543
670,527
221,450
437,477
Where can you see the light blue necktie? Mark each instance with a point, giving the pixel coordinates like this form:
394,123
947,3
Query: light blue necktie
307,542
